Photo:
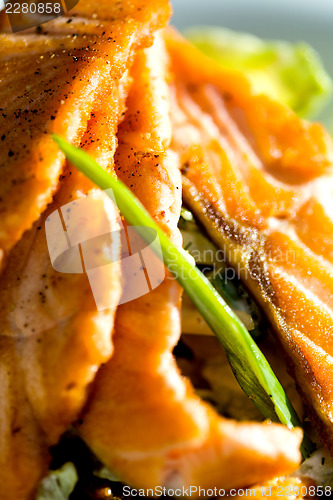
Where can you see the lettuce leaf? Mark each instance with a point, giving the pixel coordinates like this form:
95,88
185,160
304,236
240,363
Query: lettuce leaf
292,73
58,484
210,261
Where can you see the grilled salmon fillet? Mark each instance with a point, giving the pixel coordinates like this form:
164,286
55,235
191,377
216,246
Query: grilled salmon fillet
54,338
55,95
64,72
143,419
260,181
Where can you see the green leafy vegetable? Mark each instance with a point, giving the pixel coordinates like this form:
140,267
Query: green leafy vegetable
240,302
248,363
186,215
211,261
58,484
105,473
290,73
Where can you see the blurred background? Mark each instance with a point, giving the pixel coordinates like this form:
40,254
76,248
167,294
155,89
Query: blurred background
291,20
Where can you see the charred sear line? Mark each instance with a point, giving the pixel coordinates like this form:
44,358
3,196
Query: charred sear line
229,227
218,221
223,229
259,272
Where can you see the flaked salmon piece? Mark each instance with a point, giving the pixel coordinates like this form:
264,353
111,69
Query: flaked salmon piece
53,337
143,419
55,95
261,182
64,72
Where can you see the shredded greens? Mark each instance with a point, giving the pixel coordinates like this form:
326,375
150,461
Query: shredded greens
58,484
248,363
291,73
211,261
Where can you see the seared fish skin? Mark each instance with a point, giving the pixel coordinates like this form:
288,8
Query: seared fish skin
64,72
143,419
261,182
